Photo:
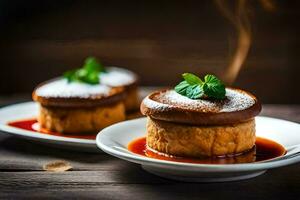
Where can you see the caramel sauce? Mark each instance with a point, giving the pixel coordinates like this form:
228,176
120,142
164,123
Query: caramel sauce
28,124
264,149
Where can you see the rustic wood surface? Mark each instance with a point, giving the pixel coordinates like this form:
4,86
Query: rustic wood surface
100,176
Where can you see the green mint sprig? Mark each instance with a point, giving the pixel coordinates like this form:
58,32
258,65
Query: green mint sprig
88,73
194,88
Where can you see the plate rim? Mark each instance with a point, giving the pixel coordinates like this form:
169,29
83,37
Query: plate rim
192,166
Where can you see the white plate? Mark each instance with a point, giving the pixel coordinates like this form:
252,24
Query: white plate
30,110
114,140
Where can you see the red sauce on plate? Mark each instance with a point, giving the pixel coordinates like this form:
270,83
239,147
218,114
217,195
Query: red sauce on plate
264,149
30,124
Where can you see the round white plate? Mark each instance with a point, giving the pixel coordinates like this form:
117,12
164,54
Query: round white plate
30,110
114,140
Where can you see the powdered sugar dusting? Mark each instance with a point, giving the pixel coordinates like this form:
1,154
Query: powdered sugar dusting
117,77
156,105
235,101
61,88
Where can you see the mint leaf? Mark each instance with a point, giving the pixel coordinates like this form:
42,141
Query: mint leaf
92,78
91,64
194,91
81,73
181,87
69,75
194,88
89,73
191,78
213,87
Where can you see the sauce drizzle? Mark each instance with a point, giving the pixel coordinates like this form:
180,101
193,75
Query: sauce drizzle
264,149
31,124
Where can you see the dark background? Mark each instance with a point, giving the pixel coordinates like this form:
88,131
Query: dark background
158,40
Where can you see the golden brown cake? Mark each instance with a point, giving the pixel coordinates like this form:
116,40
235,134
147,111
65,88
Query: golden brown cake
187,127
80,120
78,107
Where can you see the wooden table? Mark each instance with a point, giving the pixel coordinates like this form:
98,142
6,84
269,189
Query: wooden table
100,176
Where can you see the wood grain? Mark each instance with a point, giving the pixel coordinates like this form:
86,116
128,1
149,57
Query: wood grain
275,184
100,176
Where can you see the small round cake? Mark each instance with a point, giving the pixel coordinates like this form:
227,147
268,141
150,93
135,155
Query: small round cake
180,126
119,77
78,107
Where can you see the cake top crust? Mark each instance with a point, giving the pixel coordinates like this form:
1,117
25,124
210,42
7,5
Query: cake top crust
117,77
60,88
235,100
168,105
59,92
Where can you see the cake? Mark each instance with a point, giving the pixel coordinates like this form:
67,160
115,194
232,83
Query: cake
181,126
78,107
87,99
